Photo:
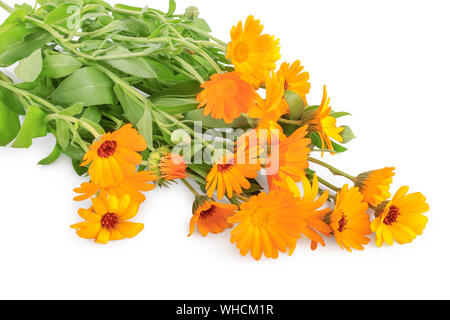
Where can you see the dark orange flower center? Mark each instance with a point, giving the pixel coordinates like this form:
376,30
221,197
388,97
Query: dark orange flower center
342,223
391,216
241,51
207,213
109,221
224,167
286,85
107,149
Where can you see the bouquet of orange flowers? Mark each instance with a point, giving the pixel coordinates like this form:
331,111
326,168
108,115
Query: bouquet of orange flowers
140,98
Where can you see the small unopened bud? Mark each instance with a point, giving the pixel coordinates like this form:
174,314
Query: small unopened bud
192,13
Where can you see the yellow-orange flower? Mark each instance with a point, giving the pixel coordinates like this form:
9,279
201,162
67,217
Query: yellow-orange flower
400,219
107,219
212,217
114,156
294,79
172,166
226,96
349,219
252,53
292,156
309,208
267,223
321,122
270,109
374,185
230,175
132,185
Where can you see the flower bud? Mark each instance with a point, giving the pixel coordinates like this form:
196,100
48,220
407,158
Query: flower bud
192,13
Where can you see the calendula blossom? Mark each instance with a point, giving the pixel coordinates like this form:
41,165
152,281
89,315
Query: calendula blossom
267,223
211,216
292,156
252,53
295,79
349,219
226,96
133,185
400,219
173,166
108,219
321,122
374,185
230,174
114,155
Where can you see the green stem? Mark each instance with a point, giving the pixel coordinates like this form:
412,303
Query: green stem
190,68
332,169
6,7
328,184
86,125
29,95
190,187
206,34
195,134
293,122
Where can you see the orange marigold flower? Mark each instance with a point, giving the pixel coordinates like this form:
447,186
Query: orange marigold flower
320,121
226,96
267,223
172,166
252,53
294,79
400,219
374,185
107,219
309,208
349,219
114,156
270,109
133,185
210,216
292,156
230,175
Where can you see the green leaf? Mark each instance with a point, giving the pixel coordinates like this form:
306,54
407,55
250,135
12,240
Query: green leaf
60,65
93,114
9,124
172,8
52,157
27,46
87,85
184,89
208,122
12,30
315,139
145,126
73,110
34,126
134,66
11,101
131,105
95,125
74,152
338,148
29,68
62,133
61,14
201,24
296,104
347,134
176,105
337,115
81,171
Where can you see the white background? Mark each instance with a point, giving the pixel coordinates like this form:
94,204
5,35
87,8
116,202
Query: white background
386,62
